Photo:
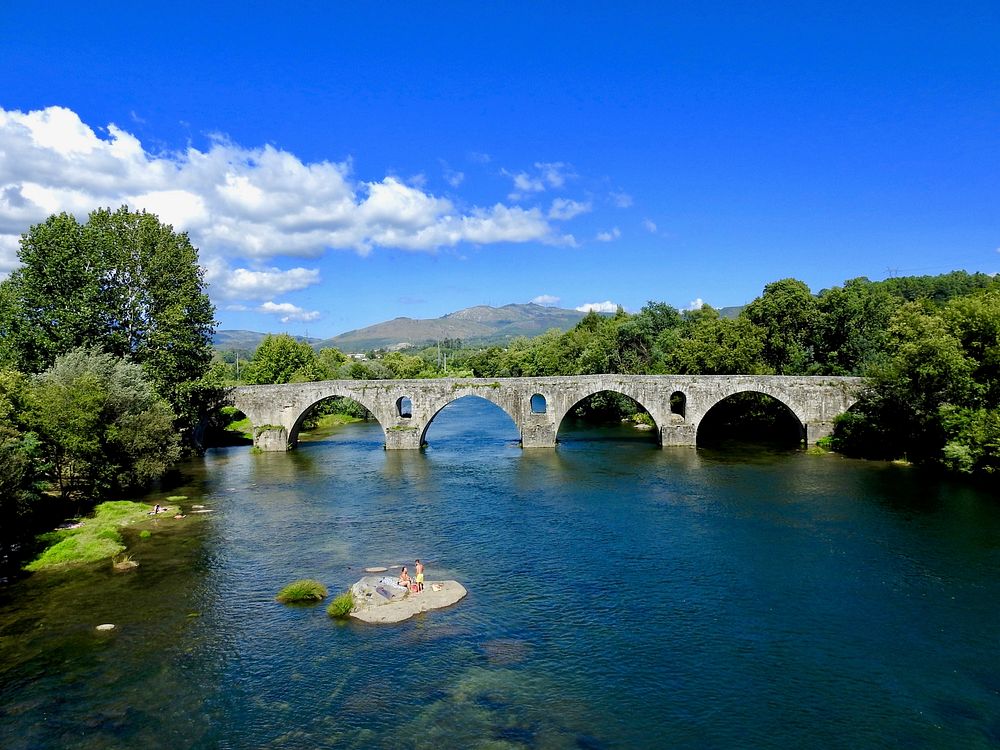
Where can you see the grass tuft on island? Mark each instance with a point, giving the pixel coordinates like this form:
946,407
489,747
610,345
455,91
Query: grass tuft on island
342,605
96,538
303,590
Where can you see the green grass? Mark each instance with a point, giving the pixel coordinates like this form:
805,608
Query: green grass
242,426
97,539
335,420
342,605
303,590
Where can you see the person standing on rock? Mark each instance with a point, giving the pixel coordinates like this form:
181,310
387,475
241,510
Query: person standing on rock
419,568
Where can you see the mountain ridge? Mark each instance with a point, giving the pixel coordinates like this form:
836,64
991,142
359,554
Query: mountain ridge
477,325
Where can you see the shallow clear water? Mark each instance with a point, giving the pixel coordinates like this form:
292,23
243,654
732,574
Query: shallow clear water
620,596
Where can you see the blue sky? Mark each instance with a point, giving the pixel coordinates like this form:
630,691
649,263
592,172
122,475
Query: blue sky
339,165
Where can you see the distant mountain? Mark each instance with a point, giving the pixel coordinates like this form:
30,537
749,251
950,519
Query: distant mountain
473,325
245,341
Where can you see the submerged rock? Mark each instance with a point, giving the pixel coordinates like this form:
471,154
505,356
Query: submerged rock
377,599
106,626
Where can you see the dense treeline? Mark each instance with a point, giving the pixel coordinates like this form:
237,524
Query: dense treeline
105,338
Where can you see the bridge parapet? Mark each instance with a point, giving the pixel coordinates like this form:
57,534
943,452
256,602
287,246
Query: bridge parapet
537,406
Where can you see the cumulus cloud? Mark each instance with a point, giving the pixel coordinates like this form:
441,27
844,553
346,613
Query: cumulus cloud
287,312
649,225
602,307
563,209
252,203
613,234
620,199
546,300
695,304
244,283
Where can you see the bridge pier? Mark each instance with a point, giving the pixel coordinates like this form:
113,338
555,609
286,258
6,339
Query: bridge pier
817,430
270,437
402,437
684,433
538,436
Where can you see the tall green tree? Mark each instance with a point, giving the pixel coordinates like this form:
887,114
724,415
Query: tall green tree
283,359
852,329
925,373
787,312
101,425
121,282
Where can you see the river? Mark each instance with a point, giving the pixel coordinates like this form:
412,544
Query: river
620,596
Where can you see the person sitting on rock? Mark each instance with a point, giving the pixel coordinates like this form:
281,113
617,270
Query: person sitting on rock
404,579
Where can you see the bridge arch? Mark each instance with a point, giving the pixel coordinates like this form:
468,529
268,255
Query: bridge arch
439,407
333,392
784,395
581,396
779,400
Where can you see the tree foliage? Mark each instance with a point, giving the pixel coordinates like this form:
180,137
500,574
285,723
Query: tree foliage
101,426
121,282
21,465
283,359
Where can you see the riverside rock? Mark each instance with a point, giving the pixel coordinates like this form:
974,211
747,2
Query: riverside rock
377,602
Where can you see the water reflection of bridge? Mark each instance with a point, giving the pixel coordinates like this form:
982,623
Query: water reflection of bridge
406,408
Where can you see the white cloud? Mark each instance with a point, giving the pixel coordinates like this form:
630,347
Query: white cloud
695,304
288,312
235,202
548,175
620,199
451,176
523,184
545,299
244,283
612,234
564,208
602,307
649,225
553,173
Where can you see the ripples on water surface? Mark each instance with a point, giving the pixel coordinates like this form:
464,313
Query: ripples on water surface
620,597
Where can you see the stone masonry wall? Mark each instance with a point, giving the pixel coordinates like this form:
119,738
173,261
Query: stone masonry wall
276,411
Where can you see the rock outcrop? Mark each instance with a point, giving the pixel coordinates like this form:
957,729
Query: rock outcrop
375,601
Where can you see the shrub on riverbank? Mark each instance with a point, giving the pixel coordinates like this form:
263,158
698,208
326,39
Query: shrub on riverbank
341,606
97,538
303,590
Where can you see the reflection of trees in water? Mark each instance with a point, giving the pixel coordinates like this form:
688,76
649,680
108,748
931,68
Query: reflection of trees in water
753,417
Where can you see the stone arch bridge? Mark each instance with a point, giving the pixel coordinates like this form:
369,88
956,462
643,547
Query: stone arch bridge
406,408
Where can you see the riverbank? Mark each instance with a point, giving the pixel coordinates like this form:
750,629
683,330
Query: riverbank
99,536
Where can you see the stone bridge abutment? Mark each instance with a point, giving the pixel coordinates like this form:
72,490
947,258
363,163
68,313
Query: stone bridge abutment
537,406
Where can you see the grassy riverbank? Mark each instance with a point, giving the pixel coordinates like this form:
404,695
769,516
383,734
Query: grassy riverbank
335,420
96,538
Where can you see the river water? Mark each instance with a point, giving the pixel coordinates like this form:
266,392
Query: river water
620,596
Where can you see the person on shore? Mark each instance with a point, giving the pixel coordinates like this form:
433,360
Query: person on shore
404,579
419,568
